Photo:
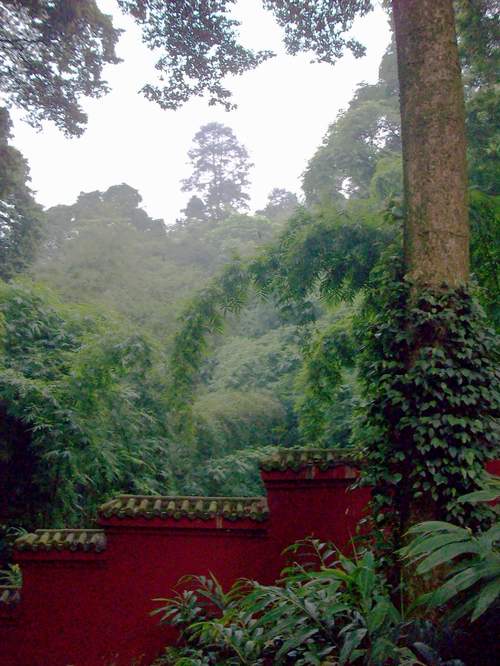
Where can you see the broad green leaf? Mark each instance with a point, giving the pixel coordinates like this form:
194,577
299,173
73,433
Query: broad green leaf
434,526
297,639
352,640
446,554
486,597
431,543
491,536
376,617
480,496
456,584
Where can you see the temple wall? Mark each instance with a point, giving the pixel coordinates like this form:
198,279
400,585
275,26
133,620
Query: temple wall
87,594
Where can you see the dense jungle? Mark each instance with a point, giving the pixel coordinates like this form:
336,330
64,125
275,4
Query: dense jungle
145,356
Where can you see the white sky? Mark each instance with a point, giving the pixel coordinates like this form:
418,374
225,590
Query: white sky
284,109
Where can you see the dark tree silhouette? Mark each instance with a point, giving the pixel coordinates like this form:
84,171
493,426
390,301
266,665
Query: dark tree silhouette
51,53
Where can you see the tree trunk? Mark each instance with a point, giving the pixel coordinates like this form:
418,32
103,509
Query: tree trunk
436,237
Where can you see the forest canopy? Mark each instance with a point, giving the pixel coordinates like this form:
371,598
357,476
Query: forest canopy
135,277
134,352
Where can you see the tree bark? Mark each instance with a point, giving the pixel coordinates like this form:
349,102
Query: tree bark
436,234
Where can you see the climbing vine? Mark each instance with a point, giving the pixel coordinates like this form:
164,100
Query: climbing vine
431,382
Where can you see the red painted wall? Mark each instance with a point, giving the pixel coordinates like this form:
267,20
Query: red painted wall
92,609
311,502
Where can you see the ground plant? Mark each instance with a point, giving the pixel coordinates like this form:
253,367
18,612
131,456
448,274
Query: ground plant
326,609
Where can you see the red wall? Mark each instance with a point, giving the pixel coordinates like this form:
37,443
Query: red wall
310,502
92,609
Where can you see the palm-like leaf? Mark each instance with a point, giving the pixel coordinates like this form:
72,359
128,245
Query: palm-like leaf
472,584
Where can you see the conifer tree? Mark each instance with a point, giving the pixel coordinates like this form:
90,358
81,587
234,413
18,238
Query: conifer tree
220,171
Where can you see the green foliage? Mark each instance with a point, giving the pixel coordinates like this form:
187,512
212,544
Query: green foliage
478,38
238,235
361,152
266,362
387,180
231,431
430,382
485,251
326,609
326,254
105,250
326,384
238,473
472,562
198,43
11,576
81,411
204,316
115,210
483,130
362,144
319,26
280,205
52,53
329,254
20,215
319,258
220,172
248,418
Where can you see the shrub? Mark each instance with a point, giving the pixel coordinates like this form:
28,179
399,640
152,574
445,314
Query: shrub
325,608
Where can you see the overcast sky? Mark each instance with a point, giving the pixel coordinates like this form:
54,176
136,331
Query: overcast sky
284,109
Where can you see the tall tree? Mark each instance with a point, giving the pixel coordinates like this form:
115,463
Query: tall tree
434,143
220,171
280,204
20,215
429,418
367,132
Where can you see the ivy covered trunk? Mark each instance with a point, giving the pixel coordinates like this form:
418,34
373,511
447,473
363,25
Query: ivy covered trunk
436,229
436,238
430,362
